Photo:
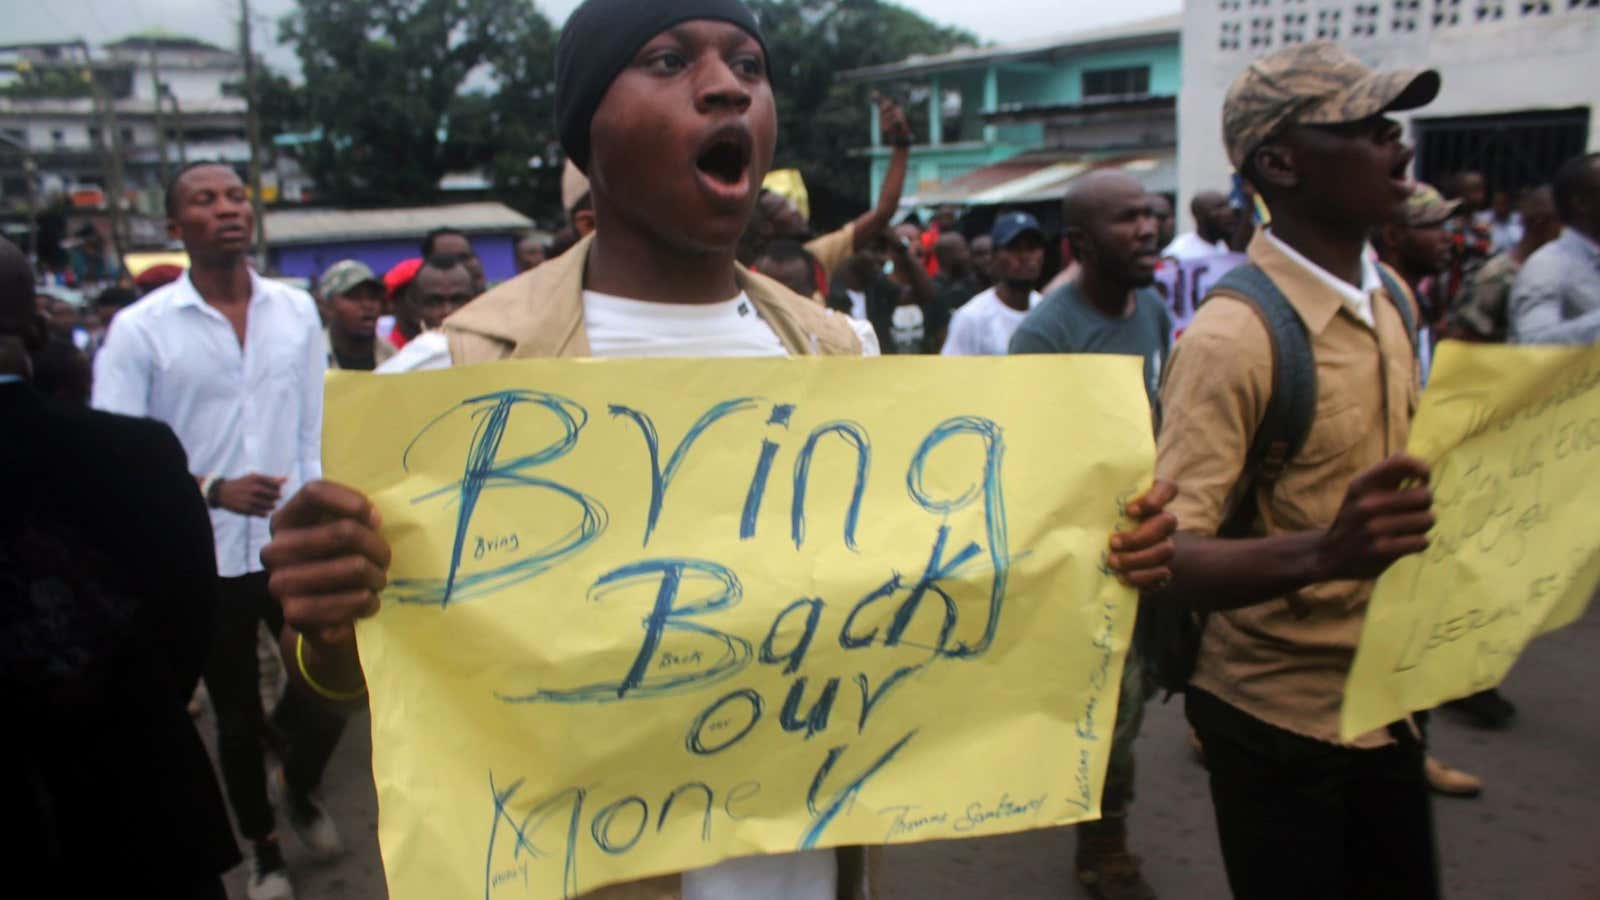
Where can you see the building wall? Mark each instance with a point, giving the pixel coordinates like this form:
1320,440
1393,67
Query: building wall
1066,82
310,261
1031,83
1494,56
186,84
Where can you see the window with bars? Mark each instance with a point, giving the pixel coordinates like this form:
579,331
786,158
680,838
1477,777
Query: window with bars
1229,37
1407,14
1531,8
1328,24
1294,28
1446,13
1116,82
1261,33
1364,20
1491,10
1260,4
1228,5
1583,4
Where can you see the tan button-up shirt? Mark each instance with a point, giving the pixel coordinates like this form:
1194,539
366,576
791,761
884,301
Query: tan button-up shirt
1284,661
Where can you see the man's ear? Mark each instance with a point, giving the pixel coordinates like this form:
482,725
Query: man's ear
583,222
1077,241
1274,164
172,230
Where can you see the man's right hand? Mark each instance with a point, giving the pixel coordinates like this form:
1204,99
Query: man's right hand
327,561
1387,513
250,495
892,122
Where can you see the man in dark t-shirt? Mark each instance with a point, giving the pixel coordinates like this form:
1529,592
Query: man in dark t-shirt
1110,308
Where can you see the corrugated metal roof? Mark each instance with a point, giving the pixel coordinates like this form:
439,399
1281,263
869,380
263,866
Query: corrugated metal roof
1043,177
318,226
1159,26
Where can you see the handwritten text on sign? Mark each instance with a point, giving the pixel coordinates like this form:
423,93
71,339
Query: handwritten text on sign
1513,434
647,615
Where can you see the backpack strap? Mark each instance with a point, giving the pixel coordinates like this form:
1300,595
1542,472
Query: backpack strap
1400,296
1293,404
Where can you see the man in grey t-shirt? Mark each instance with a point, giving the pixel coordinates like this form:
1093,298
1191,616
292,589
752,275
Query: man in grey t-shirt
1110,308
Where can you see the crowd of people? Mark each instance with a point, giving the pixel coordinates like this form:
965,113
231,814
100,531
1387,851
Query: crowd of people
163,530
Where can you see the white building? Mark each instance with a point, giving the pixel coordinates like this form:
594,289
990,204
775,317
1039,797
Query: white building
1521,77
171,91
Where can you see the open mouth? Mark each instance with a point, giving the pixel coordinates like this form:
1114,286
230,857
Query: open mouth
1399,173
725,157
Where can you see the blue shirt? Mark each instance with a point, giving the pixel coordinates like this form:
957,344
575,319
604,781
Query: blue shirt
1556,298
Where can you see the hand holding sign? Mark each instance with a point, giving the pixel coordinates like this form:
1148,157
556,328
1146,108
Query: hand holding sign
327,560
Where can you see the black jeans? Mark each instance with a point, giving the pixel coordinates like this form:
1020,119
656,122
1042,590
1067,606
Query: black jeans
1302,818
307,728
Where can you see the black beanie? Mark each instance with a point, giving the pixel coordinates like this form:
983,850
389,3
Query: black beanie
601,38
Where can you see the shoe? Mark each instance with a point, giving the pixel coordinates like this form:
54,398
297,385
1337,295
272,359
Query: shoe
1105,867
1450,782
267,876
309,820
1486,710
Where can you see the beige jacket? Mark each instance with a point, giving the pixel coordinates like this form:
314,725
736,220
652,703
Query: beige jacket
539,314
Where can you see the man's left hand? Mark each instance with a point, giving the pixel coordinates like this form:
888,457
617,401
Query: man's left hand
1141,558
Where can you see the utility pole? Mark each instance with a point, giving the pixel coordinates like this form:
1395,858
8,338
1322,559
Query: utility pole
177,125
161,127
106,108
253,127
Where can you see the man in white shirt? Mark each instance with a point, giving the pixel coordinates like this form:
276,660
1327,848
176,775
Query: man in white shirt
668,108
984,325
1213,222
233,363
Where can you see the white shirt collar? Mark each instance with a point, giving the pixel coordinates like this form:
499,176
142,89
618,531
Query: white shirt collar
1358,301
189,295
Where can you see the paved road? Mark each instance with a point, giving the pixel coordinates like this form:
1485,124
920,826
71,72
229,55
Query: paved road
1531,836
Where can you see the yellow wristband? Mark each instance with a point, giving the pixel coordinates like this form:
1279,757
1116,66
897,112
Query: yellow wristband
323,692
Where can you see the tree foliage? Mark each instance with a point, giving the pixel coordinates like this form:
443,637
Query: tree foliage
821,119
47,83
404,91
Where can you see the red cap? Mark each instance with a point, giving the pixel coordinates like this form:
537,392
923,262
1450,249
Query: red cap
158,275
401,275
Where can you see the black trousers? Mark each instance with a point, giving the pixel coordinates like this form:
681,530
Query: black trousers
1301,818
305,730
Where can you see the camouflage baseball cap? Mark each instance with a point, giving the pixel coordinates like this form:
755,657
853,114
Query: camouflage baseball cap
1317,83
1427,207
343,276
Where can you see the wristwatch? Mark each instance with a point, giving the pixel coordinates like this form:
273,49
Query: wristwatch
214,492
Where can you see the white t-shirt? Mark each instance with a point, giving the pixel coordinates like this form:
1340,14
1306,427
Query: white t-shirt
983,325
858,303
619,327
1190,245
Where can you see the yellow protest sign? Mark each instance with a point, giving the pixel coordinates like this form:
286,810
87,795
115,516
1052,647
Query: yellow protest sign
1513,435
645,615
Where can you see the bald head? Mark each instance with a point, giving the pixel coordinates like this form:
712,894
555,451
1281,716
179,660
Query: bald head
1090,197
17,302
1110,221
22,328
953,255
1213,215
1541,222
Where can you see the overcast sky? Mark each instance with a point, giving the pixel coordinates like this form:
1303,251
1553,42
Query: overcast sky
99,21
